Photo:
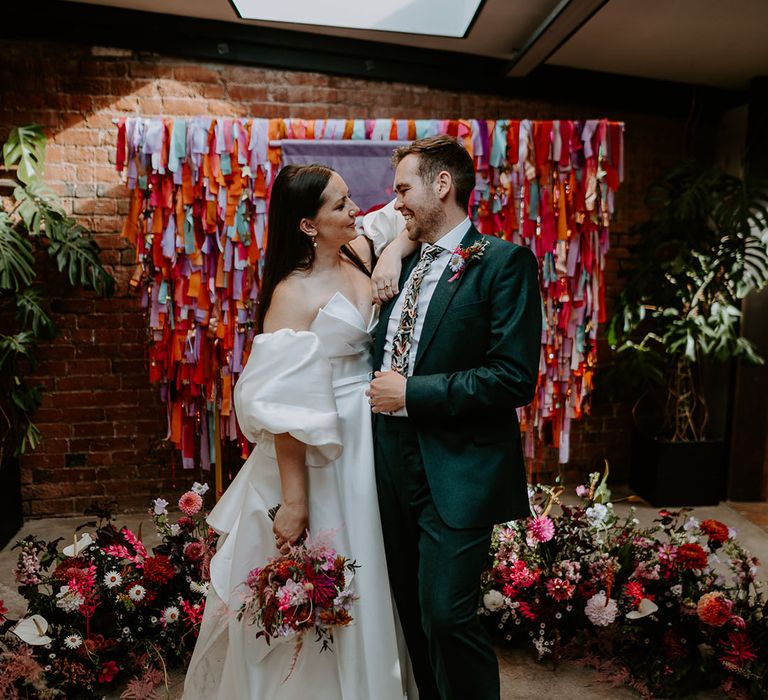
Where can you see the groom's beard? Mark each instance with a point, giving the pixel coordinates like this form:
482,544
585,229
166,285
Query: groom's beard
428,225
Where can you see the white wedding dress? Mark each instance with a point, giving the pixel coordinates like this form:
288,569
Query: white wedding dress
310,384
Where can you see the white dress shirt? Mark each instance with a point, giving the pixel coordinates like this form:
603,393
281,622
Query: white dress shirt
447,242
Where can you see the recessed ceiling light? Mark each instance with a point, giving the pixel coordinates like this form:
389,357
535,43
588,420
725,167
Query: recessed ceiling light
451,18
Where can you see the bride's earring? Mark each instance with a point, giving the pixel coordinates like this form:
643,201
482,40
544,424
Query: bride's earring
314,241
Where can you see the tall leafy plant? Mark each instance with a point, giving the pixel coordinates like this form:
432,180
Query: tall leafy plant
34,226
703,248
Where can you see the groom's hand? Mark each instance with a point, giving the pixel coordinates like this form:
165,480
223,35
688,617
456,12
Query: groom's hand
387,392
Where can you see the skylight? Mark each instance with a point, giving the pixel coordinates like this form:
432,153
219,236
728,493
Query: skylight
451,18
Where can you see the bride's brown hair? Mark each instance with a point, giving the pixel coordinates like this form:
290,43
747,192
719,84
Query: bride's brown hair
297,193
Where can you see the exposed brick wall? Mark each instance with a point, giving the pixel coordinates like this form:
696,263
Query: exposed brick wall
103,424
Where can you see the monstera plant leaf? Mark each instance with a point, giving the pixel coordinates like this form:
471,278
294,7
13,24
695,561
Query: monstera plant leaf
25,148
16,257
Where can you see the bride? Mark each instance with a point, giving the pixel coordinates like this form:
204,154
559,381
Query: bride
301,399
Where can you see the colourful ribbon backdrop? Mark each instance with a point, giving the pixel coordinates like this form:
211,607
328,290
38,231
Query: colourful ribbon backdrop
197,217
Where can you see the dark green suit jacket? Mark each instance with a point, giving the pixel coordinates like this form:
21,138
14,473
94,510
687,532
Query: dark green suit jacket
477,361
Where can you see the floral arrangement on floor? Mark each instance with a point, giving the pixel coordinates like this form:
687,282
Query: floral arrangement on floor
103,609
667,609
306,589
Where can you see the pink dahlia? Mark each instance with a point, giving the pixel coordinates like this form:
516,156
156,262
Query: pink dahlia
194,551
540,529
190,503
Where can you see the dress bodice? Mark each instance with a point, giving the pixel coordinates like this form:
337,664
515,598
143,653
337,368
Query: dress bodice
345,339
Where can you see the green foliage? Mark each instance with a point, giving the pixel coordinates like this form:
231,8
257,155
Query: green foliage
36,222
703,248
25,148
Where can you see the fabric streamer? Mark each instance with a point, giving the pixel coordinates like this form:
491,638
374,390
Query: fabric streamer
198,219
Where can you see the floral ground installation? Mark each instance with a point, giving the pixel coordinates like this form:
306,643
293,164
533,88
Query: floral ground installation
103,612
668,609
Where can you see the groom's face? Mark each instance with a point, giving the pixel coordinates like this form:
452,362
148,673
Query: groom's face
417,201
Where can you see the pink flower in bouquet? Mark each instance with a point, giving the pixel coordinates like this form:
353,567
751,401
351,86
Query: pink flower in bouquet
193,613
582,491
109,670
28,568
601,611
540,529
560,589
291,594
738,651
194,551
3,610
185,522
634,591
190,503
519,575
714,609
667,553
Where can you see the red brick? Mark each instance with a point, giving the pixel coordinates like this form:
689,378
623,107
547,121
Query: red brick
57,506
197,74
82,382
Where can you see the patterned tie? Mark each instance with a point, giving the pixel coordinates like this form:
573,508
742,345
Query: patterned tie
401,343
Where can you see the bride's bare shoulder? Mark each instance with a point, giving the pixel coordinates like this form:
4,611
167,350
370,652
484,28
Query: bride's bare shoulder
290,306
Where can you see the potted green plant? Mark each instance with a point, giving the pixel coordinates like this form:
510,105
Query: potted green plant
33,227
702,249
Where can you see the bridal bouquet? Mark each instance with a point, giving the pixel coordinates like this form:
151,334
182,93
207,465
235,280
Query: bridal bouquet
302,590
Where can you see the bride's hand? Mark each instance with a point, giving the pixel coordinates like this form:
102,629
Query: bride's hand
290,525
384,280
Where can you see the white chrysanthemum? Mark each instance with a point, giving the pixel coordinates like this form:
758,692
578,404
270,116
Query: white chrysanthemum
113,579
493,600
137,592
600,611
171,614
175,529
69,600
73,641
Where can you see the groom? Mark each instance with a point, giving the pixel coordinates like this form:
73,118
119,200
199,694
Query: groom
456,352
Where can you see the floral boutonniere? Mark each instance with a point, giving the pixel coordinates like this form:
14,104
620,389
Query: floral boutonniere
461,256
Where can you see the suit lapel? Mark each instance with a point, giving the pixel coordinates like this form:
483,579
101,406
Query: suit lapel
441,298
386,310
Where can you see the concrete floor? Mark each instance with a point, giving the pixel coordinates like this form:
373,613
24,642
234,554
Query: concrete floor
522,677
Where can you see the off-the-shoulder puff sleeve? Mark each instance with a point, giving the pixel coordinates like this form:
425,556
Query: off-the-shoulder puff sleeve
382,226
286,388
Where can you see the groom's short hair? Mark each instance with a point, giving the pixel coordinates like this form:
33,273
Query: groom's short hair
438,153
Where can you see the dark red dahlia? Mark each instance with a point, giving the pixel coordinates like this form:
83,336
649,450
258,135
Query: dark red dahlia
691,556
158,569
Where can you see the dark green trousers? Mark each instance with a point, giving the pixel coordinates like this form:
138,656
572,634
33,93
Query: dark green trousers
434,571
